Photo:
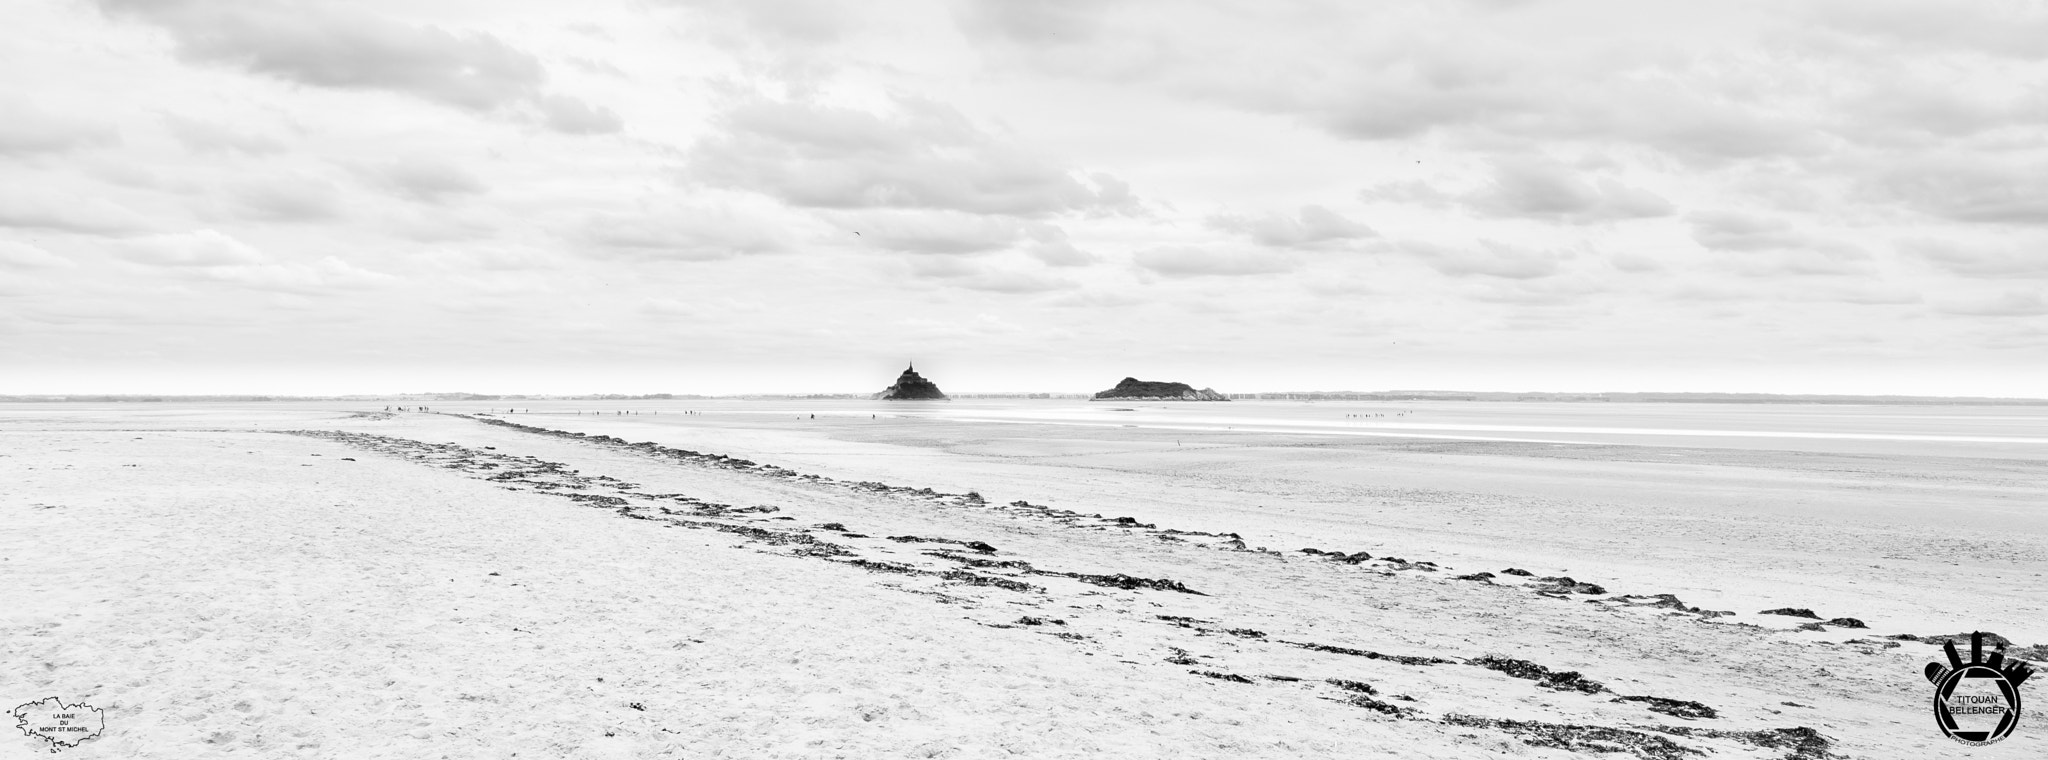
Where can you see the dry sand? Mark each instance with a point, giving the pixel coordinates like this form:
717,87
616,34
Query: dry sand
440,586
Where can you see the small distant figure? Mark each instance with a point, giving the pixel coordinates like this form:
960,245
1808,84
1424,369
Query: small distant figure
814,416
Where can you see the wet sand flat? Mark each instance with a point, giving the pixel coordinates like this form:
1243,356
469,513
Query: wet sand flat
317,583
1912,539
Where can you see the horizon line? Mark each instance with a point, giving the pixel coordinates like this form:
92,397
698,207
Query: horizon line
1313,395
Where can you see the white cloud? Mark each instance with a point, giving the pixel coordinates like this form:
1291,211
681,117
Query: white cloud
796,23
56,210
425,180
340,47
1015,282
919,154
1967,188
1541,189
1312,227
1399,71
1739,231
572,116
29,129
1765,246
1532,187
1049,23
679,234
1051,246
2007,304
1988,261
325,275
1185,261
988,278
944,232
198,248
1488,258
290,199
17,255
206,137
491,259
2008,29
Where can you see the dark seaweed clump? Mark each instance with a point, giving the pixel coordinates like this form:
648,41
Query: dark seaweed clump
1679,707
1576,738
1128,582
1569,680
1371,655
1360,687
1799,612
1804,743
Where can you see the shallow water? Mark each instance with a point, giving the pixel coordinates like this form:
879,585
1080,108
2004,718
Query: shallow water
1970,431
2019,432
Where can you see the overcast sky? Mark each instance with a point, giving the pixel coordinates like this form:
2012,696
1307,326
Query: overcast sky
794,195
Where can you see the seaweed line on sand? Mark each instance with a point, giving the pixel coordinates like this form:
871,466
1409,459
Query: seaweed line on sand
1555,586
559,480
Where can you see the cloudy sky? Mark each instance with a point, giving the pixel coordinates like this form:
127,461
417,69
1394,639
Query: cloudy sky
797,195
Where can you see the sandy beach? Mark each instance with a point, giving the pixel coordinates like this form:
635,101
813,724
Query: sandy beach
988,581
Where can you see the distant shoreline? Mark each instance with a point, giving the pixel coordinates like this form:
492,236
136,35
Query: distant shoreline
1420,395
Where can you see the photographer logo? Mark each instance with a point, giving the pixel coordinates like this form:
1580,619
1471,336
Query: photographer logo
1977,702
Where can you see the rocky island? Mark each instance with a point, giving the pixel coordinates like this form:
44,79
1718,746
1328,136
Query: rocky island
1152,390
911,386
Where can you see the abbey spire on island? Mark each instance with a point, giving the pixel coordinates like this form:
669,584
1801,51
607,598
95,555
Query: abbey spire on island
911,386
